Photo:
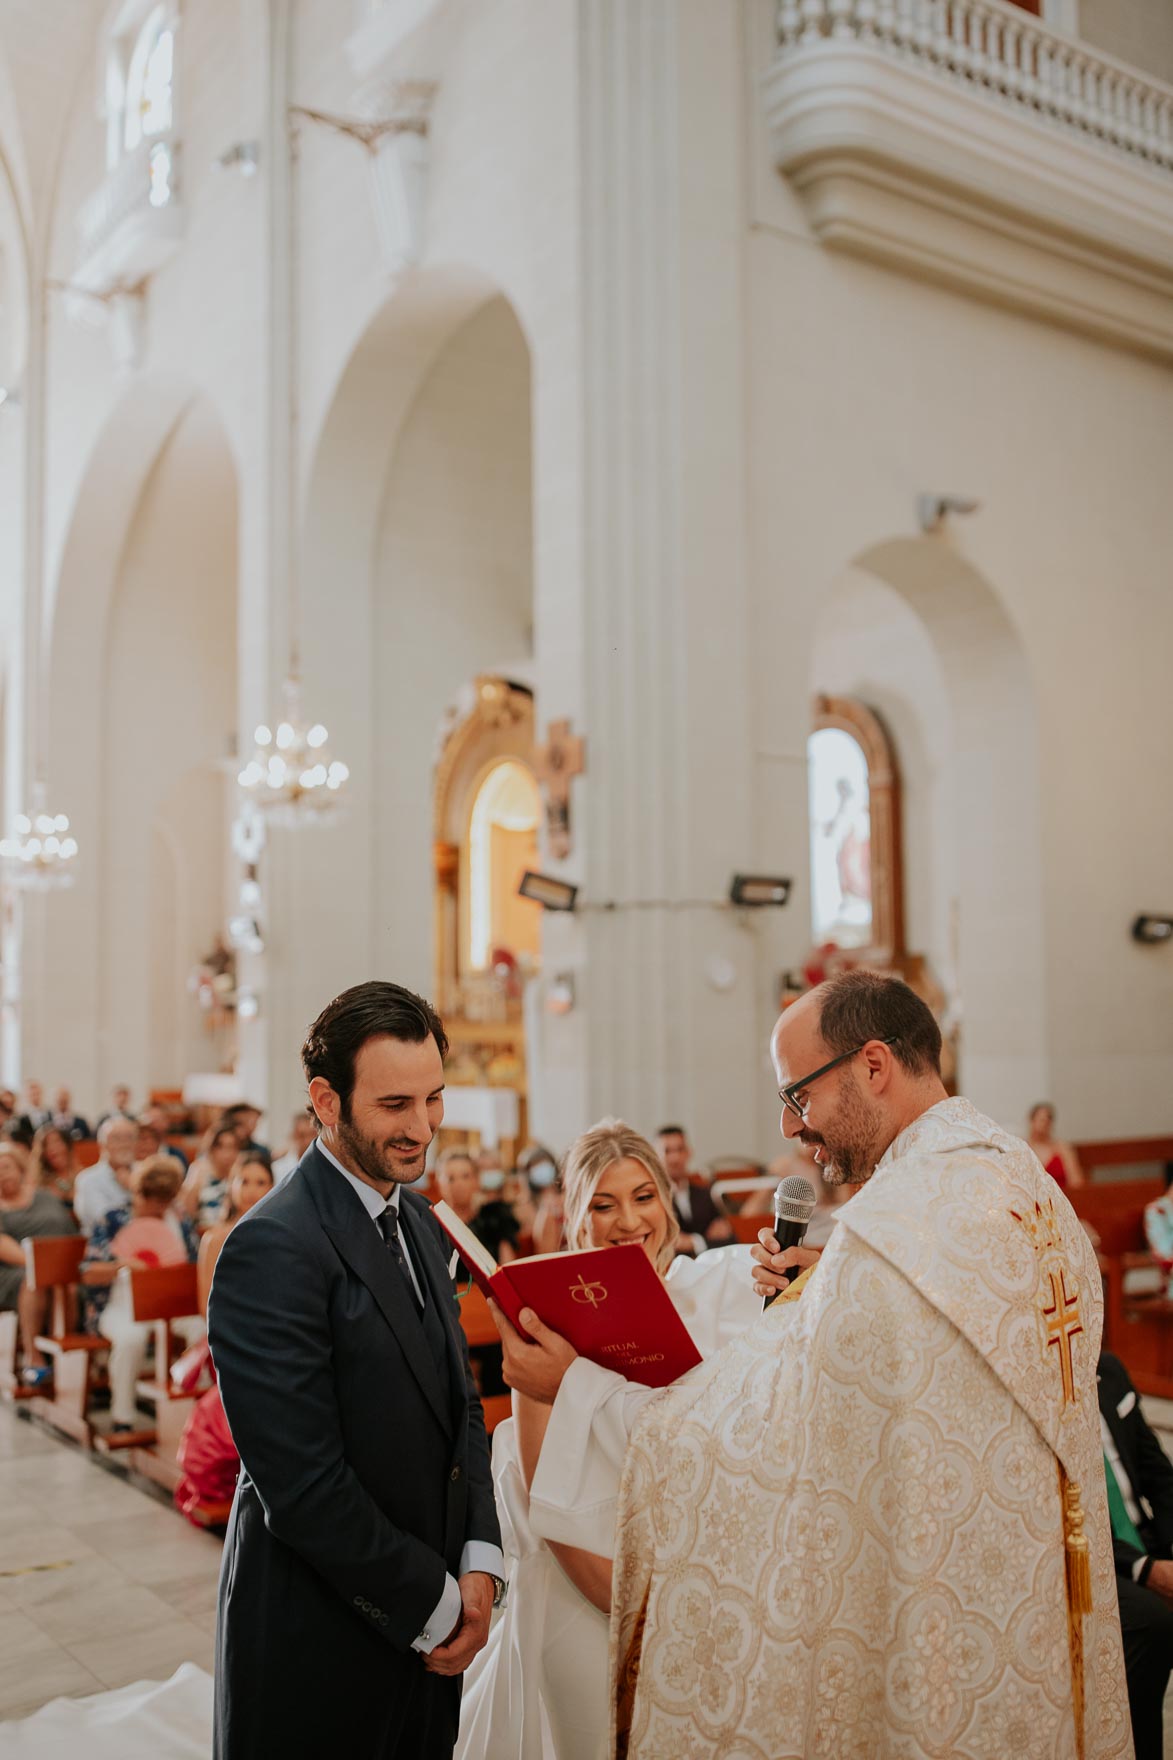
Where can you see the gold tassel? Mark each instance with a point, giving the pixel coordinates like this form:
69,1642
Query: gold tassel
1079,1568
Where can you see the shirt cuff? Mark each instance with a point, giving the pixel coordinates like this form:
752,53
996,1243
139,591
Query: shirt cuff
482,1555
1138,1566
443,1620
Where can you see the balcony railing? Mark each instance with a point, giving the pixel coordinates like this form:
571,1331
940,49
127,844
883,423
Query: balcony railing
994,48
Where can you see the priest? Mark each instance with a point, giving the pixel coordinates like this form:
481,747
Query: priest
877,1523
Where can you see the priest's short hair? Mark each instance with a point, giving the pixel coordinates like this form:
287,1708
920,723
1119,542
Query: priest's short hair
860,1005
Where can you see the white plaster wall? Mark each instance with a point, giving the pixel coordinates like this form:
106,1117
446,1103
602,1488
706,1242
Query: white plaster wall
869,644
869,388
168,707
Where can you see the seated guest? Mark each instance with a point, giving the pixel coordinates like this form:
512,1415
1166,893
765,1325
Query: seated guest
104,1186
27,1211
1140,1504
7,1106
34,1113
493,1222
1059,1159
545,1196
119,1104
67,1120
118,1243
207,1453
54,1162
303,1130
703,1222
206,1185
244,1119
159,1119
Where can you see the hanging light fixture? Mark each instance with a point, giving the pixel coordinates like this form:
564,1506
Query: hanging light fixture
290,776
40,853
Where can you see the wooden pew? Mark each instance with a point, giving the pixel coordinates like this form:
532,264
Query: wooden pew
1125,1174
53,1263
481,1334
158,1296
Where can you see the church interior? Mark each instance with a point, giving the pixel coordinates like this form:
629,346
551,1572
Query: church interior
605,513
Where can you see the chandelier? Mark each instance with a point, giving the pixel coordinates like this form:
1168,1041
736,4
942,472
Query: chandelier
290,775
40,853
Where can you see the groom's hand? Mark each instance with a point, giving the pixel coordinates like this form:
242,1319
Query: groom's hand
533,1369
476,1604
770,1263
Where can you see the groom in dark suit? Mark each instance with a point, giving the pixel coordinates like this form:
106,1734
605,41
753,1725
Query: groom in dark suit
363,1556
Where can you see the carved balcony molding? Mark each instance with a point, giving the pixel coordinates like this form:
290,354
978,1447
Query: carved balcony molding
965,142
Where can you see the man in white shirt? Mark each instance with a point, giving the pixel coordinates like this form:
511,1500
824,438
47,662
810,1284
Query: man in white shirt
105,1186
302,1131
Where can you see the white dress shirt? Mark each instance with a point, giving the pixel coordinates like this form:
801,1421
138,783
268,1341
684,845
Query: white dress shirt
478,1555
97,1191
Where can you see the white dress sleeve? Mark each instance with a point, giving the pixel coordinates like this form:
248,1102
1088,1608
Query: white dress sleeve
575,1490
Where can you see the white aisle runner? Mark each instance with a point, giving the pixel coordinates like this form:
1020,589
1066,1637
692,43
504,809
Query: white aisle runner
149,1720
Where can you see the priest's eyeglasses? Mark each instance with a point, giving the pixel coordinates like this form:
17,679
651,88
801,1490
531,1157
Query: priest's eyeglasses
790,1095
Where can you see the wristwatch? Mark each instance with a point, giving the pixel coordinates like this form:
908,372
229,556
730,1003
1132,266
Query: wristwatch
498,1589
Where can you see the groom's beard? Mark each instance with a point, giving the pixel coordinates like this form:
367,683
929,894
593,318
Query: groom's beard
853,1144
390,1161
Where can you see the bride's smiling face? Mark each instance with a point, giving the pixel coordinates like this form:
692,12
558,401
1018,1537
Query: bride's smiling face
627,1208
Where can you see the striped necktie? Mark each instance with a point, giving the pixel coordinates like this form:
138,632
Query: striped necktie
389,1229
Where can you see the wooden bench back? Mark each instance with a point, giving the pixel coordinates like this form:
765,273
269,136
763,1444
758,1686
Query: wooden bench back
164,1292
1146,1156
86,1154
1116,1211
477,1320
53,1260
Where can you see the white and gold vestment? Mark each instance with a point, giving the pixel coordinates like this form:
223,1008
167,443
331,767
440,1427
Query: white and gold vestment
858,1531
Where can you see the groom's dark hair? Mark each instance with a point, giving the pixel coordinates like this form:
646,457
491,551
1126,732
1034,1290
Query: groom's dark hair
375,1010
858,1006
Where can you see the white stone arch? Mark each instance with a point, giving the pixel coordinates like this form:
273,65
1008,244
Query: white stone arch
370,433
96,1008
997,863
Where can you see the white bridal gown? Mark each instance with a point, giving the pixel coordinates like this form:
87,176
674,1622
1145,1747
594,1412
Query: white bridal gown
538,1690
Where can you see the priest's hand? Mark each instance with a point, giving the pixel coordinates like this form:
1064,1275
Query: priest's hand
472,1631
533,1369
770,1264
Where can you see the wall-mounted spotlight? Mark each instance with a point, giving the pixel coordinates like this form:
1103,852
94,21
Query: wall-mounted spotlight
931,509
1152,930
551,894
753,890
241,156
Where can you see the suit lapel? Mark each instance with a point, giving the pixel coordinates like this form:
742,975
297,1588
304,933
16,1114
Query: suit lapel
361,1246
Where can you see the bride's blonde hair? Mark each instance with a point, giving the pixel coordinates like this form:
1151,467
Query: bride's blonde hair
588,1159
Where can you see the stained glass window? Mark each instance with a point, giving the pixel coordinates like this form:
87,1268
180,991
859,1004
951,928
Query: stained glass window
840,839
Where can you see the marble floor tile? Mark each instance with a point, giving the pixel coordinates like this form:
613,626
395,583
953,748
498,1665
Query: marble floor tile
190,1596
133,1656
143,1526
19,1636
26,1682
103,1610
43,1545
162,1561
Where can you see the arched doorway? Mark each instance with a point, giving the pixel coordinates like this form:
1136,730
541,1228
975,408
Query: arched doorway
419,521
144,655
916,634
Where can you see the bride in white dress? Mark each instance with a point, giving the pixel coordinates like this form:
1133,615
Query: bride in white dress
538,1690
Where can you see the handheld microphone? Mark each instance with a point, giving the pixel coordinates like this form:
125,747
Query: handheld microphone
794,1202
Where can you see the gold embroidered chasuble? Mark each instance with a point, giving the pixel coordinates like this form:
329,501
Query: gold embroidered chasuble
844,1534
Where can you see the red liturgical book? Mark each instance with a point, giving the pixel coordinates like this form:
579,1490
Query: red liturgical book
608,1303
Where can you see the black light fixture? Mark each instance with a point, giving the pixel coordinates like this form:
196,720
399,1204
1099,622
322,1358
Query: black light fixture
754,890
551,894
1152,930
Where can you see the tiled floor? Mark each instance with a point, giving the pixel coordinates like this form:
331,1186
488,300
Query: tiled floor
100,1584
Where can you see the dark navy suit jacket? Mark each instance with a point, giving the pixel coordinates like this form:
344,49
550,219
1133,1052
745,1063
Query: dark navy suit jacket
365,1469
